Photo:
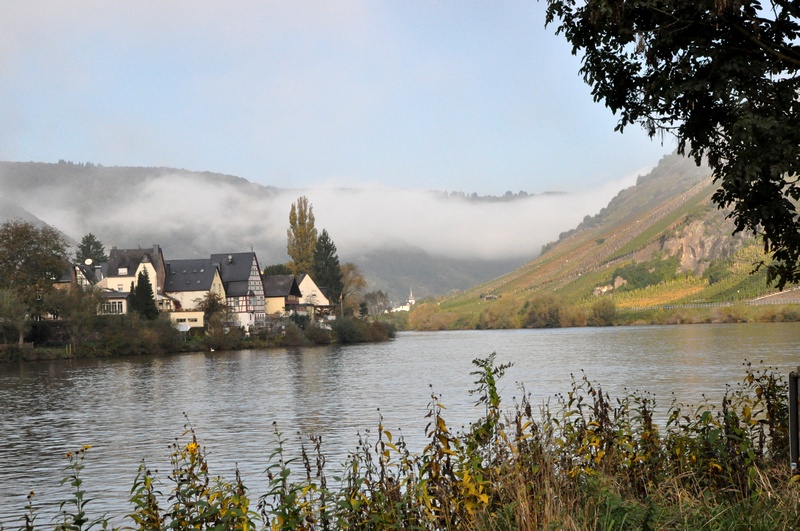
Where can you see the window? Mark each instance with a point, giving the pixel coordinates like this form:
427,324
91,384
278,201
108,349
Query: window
111,308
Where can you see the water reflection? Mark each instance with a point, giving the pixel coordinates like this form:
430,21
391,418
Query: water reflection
133,409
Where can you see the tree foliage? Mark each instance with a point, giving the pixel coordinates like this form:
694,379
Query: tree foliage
91,248
377,302
30,255
542,312
302,236
722,76
642,274
77,307
327,272
14,312
31,258
212,304
352,281
277,269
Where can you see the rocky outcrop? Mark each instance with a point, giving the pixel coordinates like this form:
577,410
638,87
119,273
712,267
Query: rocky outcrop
700,241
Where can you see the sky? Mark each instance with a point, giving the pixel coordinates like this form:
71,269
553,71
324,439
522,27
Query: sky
413,94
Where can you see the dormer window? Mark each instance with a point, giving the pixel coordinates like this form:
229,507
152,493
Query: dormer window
123,271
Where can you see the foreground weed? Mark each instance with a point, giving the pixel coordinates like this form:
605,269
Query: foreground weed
196,500
73,515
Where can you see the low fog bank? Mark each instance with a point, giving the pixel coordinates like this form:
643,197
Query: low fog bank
451,227
194,215
198,218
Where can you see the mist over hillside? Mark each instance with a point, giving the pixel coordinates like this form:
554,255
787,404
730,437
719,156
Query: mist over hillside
430,241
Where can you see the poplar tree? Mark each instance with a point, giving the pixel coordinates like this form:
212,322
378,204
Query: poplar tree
302,236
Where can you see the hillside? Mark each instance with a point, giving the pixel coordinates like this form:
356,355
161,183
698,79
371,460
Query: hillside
660,242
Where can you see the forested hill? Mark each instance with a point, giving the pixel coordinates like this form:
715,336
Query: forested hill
660,242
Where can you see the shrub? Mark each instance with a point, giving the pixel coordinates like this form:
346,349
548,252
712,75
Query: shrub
542,312
603,312
572,316
318,335
349,330
293,336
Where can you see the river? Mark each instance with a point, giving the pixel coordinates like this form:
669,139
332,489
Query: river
131,410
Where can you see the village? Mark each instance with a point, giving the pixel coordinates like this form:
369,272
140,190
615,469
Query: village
179,286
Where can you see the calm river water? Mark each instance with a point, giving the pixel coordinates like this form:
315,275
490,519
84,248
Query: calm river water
132,409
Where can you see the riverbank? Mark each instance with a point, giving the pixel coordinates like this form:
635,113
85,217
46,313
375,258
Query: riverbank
131,336
550,312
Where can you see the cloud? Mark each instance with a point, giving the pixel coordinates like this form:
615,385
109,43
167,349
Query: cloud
199,214
450,227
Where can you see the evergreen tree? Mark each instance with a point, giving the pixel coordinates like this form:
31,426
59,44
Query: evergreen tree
91,248
327,272
143,301
302,236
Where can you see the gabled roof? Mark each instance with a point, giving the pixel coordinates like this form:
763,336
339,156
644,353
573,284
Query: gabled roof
322,290
190,275
71,271
281,286
128,258
234,266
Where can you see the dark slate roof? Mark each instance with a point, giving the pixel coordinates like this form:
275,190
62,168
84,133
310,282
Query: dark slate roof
130,258
280,286
190,275
233,267
68,274
110,294
239,288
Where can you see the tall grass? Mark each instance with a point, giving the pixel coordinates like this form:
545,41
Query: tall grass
583,461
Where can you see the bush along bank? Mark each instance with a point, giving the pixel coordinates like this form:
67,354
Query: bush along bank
587,462
302,332
130,335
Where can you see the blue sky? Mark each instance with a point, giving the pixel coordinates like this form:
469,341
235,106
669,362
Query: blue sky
444,95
